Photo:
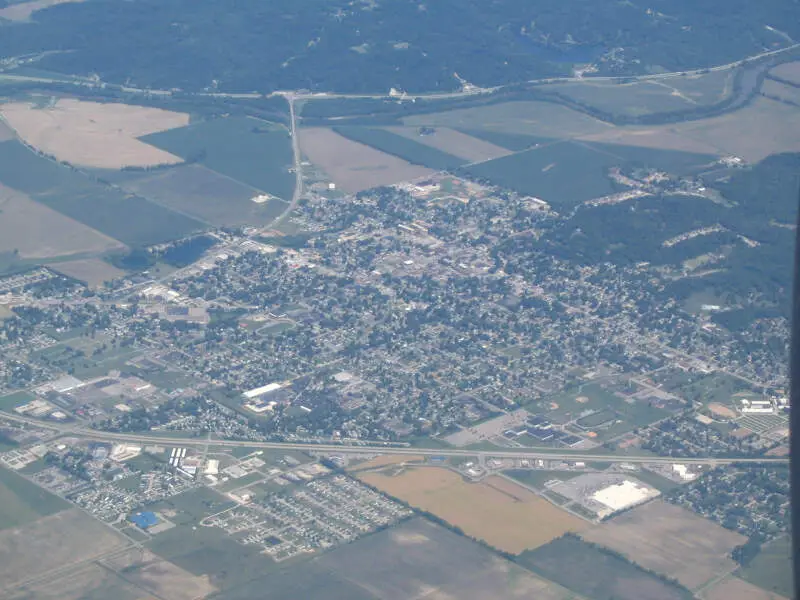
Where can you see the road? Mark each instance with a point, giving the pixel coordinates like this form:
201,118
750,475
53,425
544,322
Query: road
298,161
377,447
293,95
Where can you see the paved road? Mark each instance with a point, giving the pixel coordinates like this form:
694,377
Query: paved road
431,96
298,162
372,447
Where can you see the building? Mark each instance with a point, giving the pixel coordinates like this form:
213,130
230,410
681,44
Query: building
144,520
756,407
623,495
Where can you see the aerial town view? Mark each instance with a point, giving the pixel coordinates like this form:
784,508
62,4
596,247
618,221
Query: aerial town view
393,313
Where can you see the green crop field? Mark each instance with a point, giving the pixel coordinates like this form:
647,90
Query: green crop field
253,152
536,478
595,573
130,219
200,192
510,141
11,401
771,569
563,174
402,147
23,502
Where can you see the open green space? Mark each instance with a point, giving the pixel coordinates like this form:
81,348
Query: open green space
254,152
563,174
402,147
192,506
598,573
11,401
239,482
569,404
23,502
662,484
536,478
771,569
717,387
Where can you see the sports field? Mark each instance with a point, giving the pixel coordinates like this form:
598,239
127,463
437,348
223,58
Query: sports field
498,511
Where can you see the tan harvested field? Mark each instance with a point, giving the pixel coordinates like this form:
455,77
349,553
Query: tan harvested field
670,540
37,231
534,118
733,588
6,133
160,577
788,71
455,143
386,460
787,93
500,512
92,581
52,542
652,137
91,134
24,10
352,166
92,271
721,410
764,127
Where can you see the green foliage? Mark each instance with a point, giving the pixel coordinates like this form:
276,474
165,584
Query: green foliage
249,44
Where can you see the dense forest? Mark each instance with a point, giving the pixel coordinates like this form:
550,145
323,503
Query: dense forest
763,201
244,45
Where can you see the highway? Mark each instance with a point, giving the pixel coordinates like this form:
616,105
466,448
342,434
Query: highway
291,96
298,161
373,447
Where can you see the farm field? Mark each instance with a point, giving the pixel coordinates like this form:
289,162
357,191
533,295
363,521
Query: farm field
563,174
39,232
205,195
650,97
403,147
670,540
771,569
733,588
788,71
23,502
762,128
92,271
543,119
92,582
130,219
91,134
787,93
596,574
454,143
515,142
254,152
355,167
22,11
419,559
6,133
505,515
384,461
52,542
